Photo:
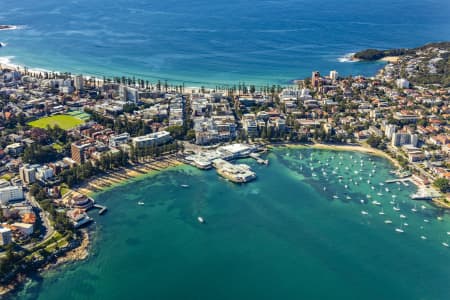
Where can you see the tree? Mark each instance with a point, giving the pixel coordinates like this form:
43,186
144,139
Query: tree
442,184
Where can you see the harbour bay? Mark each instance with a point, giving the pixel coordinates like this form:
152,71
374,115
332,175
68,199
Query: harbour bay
282,235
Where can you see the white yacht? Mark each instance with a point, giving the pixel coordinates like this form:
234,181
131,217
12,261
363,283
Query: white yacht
399,230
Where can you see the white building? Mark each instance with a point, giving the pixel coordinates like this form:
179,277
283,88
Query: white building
44,173
5,236
27,174
152,139
10,193
128,94
334,75
24,228
117,140
78,82
390,130
402,83
400,139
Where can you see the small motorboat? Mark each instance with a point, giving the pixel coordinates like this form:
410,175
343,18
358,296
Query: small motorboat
200,220
141,203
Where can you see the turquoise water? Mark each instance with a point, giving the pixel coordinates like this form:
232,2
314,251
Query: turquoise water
279,237
212,42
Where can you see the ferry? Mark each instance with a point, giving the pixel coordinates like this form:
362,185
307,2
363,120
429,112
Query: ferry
200,220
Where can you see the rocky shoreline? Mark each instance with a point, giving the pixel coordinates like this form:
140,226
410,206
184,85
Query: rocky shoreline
76,251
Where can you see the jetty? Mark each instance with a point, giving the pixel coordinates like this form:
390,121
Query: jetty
102,209
404,181
258,159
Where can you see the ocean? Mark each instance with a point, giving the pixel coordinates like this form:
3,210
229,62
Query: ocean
210,43
282,236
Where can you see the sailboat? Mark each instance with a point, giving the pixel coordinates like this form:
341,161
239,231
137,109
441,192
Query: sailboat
400,230
414,209
364,212
381,212
396,208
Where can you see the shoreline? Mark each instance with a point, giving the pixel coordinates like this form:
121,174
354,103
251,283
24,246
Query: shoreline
120,176
96,184
347,147
76,254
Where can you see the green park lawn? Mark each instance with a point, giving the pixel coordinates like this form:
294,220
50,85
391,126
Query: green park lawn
63,121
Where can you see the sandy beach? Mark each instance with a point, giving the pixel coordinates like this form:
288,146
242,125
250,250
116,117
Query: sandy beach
391,59
112,178
354,148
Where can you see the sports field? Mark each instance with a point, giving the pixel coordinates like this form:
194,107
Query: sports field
63,121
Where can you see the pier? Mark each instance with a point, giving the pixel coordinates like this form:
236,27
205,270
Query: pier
258,159
102,209
402,180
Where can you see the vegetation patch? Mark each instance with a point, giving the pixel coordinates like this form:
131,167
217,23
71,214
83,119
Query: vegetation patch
63,121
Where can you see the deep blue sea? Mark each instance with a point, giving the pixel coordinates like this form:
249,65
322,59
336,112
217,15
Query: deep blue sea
210,42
